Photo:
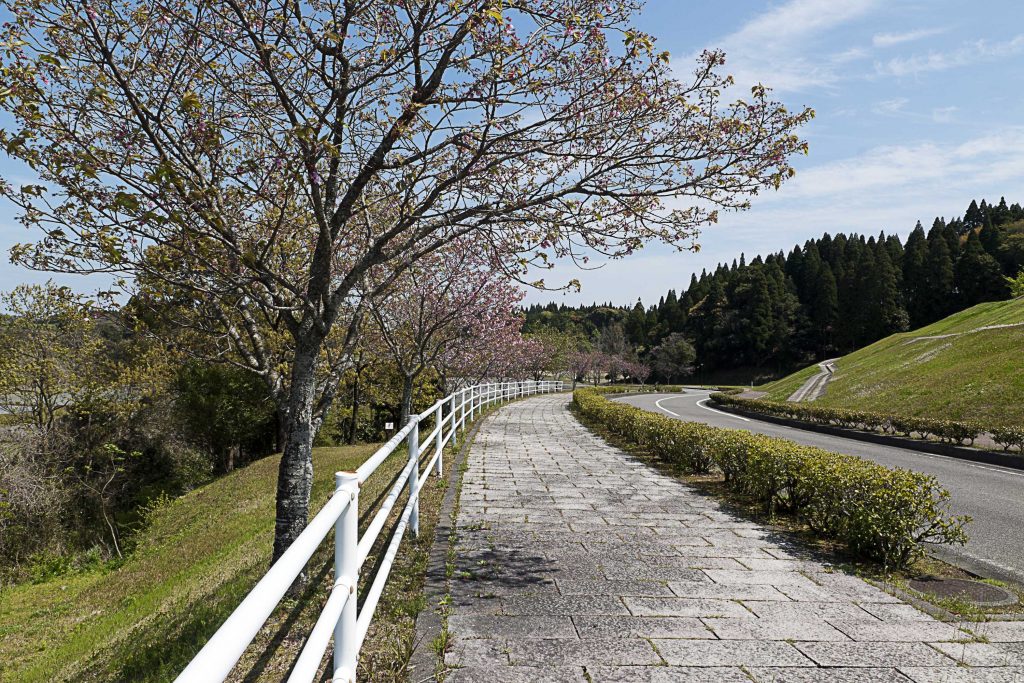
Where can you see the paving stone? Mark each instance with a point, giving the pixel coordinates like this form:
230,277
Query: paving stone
616,588
804,675
899,631
485,626
753,577
667,674
730,653
477,653
808,610
874,654
563,605
837,594
958,674
999,631
896,612
685,607
984,654
773,629
517,674
641,627
651,572
689,589
589,652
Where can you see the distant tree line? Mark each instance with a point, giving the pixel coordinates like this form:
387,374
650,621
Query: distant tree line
830,296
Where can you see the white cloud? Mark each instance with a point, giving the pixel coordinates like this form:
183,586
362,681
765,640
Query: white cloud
944,114
894,106
885,188
890,39
772,47
895,169
969,53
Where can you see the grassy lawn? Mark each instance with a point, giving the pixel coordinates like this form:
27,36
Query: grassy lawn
202,553
973,375
781,389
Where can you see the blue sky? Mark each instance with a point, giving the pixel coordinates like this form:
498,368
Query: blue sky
920,108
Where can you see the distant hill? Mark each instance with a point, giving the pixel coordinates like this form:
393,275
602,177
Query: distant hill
969,366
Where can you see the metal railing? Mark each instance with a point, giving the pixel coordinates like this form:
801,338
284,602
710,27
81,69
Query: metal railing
339,617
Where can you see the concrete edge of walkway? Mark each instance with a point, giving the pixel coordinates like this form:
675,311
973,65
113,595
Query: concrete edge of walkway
423,661
962,452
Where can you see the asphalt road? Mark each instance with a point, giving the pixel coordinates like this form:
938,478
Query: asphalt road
993,496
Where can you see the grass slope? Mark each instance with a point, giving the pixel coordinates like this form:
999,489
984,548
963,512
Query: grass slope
950,369
142,620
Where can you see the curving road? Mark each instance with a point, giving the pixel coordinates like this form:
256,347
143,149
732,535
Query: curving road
993,496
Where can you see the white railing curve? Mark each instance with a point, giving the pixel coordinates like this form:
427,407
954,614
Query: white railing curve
339,617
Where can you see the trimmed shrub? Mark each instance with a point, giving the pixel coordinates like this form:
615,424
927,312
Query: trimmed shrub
879,513
947,431
1007,437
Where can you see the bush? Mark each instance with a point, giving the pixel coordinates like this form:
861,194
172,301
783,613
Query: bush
1008,437
947,431
879,513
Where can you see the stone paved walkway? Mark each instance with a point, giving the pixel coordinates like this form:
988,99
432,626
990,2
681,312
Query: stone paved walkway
577,563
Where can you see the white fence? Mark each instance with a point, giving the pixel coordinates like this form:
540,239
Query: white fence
339,618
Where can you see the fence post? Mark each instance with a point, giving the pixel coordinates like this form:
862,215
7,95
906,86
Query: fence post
437,440
346,569
414,477
462,410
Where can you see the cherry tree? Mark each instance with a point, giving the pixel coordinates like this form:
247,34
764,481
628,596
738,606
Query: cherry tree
451,305
637,371
259,159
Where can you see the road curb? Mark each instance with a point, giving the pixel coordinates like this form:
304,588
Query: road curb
962,452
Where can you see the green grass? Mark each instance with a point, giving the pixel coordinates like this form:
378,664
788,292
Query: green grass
974,375
785,387
145,619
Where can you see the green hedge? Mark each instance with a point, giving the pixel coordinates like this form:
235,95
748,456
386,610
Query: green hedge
879,513
947,431
637,388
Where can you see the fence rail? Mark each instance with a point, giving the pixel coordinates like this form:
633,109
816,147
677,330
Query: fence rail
339,617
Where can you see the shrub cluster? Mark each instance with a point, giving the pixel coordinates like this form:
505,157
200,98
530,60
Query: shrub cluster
879,513
947,431
1008,437
640,388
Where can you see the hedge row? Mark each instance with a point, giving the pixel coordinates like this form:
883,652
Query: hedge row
947,431
638,388
879,513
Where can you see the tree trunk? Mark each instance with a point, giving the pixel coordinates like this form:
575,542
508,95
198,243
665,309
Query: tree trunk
231,455
295,475
407,384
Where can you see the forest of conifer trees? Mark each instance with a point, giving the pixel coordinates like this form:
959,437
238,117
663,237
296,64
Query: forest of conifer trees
830,296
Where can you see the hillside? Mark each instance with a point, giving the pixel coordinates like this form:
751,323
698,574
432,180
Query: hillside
198,558
969,366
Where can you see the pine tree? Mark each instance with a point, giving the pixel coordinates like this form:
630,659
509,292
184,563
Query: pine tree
889,316
915,257
636,325
991,239
939,294
973,217
978,276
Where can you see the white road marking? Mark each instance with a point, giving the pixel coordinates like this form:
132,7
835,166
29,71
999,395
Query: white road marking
962,461
658,403
701,404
